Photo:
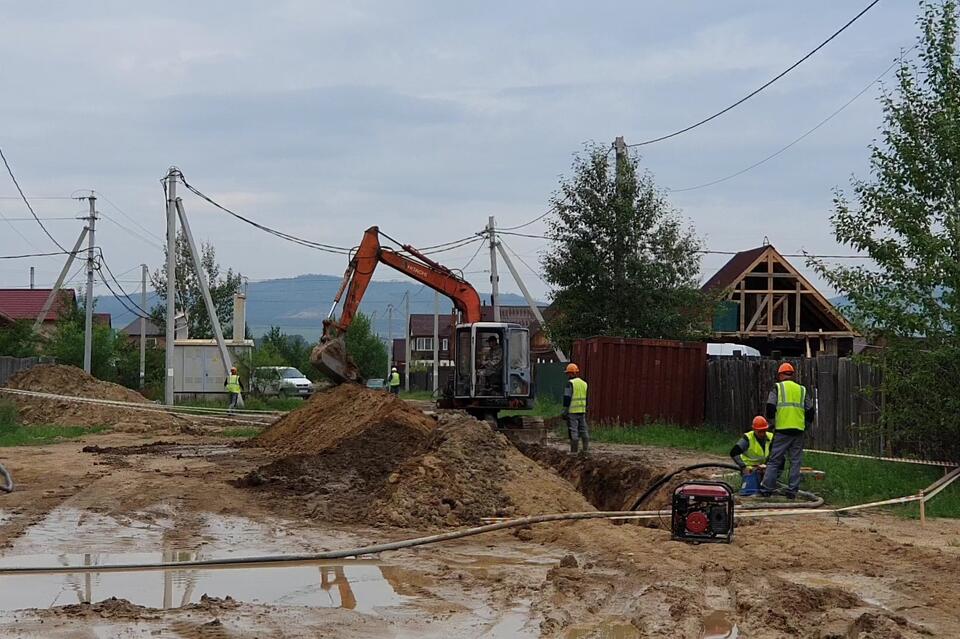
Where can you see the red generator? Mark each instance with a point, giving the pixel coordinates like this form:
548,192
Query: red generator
703,512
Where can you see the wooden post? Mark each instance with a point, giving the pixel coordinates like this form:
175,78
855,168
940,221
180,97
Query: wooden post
923,510
796,327
769,293
743,307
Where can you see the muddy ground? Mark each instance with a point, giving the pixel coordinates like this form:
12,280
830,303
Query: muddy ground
126,501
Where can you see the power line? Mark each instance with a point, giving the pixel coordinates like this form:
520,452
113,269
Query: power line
130,217
103,263
25,255
473,257
799,139
120,299
533,221
329,248
27,202
45,219
522,261
763,86
131,231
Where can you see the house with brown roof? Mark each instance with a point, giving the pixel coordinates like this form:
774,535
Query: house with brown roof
155,337
767,304
26,303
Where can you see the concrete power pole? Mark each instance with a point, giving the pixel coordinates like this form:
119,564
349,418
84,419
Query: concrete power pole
88,321
494,278
621,150
436,341
389,340
32,279
143,326
171,282
406,346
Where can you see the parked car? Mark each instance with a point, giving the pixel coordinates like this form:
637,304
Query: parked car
283,381
376,383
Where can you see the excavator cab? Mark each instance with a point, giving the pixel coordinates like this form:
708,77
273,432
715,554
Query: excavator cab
492,366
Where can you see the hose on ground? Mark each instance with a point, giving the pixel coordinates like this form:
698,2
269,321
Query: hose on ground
812,500
7,480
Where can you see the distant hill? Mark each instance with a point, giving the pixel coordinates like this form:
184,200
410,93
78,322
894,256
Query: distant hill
298,304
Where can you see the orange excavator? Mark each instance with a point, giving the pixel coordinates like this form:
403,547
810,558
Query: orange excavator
491,359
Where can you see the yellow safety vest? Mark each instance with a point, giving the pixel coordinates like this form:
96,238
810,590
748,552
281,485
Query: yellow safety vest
233,383
395,379
578,403
756,453
791,402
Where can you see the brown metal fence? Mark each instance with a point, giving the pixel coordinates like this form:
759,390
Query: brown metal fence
848,408
633,381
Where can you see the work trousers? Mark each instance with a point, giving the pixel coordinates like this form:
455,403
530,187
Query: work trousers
784,448
577,427
395,389
234,400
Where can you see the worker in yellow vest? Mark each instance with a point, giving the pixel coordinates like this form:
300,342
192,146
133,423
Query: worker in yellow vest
750,453
792,410
234,387
575,409
395,381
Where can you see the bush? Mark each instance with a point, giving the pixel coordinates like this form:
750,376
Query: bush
9,418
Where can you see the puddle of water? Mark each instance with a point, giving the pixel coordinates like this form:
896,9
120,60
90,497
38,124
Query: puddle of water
717,625
610,629
363,588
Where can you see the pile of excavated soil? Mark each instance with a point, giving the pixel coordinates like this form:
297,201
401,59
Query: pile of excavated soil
466,472
343,413
68,380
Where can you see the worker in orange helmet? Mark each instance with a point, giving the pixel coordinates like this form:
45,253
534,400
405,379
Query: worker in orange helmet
575,409
750,453
792,409
234,387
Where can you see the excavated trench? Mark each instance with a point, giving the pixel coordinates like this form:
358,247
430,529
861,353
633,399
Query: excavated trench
608,482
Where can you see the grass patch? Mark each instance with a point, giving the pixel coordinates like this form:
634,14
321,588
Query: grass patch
848,480
423,396
13,433
542,407
241,432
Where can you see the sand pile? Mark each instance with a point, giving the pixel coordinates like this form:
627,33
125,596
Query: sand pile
466,472
69,380
345,412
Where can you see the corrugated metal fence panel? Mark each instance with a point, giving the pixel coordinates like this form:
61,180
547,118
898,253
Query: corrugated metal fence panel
549,380
10,366
634,381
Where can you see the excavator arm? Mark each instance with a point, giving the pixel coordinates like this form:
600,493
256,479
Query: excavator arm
331,356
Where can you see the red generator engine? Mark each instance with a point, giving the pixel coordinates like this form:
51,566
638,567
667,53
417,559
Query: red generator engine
703,512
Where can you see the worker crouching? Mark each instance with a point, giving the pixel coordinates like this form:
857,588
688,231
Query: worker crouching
750,453
575,409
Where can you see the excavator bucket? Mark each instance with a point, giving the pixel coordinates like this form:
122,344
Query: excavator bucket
331,359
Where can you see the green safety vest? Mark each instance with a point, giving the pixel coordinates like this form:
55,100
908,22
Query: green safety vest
791,402
395,379
233,383
756,453
578,403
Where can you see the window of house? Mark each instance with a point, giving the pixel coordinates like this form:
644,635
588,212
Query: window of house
424,344
445,345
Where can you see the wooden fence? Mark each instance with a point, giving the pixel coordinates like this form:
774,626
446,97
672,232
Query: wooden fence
848,407
9,366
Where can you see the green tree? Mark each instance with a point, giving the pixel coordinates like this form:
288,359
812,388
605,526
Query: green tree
222,288
366,349
19,340
906,218
623,262
66,344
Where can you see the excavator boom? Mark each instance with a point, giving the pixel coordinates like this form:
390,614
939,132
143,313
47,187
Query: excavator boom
330,356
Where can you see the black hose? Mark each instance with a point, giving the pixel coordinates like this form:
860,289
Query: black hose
813,501
663,480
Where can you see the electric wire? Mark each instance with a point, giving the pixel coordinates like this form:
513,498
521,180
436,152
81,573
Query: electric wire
129,217
762,87
797,140
473,257
25,255
329,248
119,298
27,202
131,232
103,262
525,224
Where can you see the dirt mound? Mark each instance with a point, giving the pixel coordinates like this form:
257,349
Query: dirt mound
466,472
71,381
343,412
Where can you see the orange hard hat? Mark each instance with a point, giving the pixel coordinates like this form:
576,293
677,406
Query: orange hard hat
233,369
760,423
786,367
573,368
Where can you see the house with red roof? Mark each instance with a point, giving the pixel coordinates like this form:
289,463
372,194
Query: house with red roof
25,304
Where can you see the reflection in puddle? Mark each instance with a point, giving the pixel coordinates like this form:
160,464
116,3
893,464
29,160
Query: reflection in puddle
363,588
716,625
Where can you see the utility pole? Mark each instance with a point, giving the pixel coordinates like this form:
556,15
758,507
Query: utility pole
621,150
494,278
88,321
63,274
143,326
171,282
436,341
526,295
406,346
389,340
32,280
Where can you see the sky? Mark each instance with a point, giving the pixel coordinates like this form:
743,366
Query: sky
423,118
